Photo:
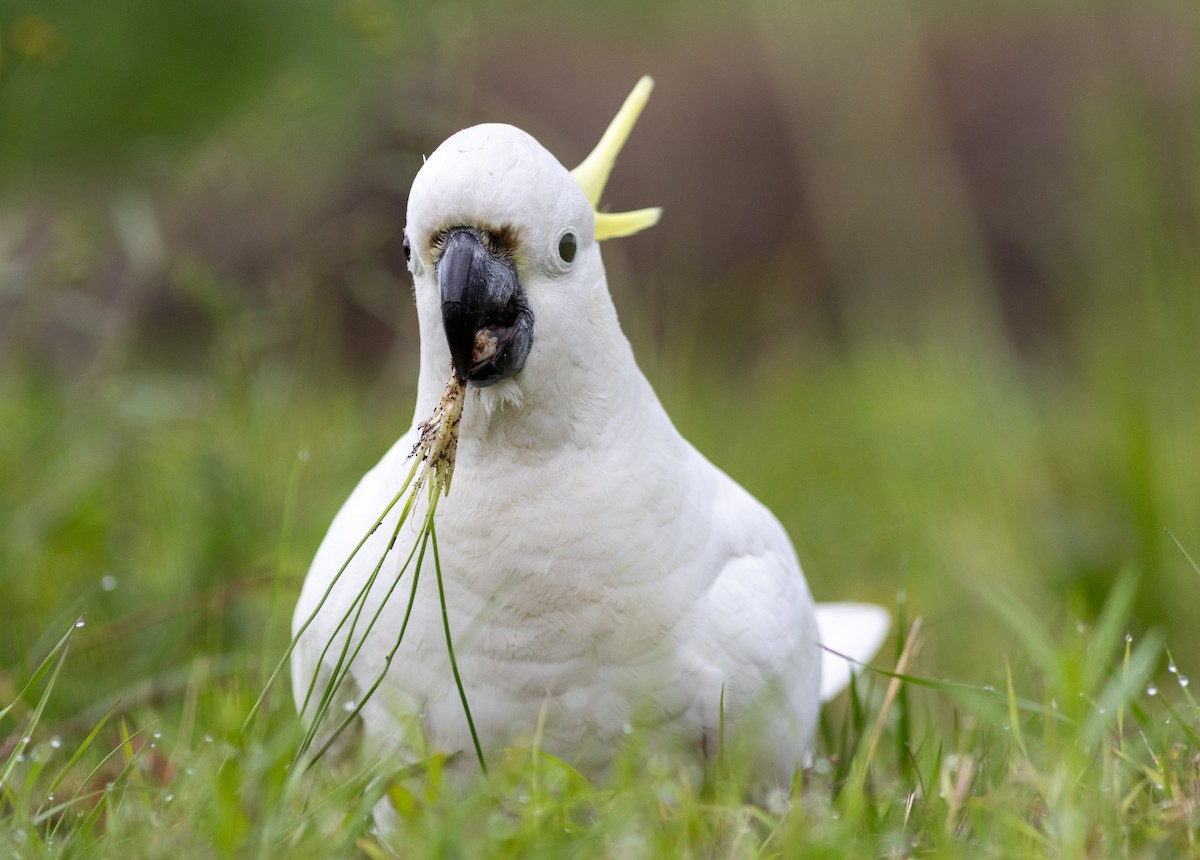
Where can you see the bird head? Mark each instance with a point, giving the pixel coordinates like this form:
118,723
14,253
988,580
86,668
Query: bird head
502,243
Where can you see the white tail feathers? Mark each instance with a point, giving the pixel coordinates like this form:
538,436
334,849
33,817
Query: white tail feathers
855,630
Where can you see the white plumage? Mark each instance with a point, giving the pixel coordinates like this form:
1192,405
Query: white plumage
601,575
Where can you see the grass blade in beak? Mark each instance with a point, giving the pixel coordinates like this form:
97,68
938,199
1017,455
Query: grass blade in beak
433,467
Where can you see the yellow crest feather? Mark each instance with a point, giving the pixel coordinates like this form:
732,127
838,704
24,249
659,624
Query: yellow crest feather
592,174
615,225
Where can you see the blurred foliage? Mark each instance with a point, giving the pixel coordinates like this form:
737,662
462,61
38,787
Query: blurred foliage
129,87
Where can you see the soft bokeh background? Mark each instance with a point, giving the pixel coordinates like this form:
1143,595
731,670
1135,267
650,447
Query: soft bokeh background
927,284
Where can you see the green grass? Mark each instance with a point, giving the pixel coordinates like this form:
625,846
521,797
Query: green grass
1081,760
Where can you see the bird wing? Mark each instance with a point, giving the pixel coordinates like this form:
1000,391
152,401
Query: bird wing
756,636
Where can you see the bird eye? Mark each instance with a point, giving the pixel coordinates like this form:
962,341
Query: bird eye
566,247
407,249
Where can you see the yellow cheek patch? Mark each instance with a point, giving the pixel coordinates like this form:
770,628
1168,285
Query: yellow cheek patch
592,174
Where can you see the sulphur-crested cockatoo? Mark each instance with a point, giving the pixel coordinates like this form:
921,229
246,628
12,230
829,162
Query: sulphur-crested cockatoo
601,576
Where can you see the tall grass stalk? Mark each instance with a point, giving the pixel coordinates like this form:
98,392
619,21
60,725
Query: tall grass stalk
433,459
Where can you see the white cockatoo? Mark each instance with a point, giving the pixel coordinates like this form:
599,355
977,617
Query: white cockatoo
601,576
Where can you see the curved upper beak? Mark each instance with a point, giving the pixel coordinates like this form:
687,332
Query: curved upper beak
488,321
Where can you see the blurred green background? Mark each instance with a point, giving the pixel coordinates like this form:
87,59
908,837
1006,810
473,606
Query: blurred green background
927,284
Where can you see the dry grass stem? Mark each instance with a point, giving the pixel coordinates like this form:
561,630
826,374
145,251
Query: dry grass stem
437,445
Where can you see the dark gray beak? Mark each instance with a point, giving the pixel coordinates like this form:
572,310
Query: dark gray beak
488,321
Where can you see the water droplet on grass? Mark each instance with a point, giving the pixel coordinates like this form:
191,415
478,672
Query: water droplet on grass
56,742
349,707
80,622
1183,680
108,583
1128,638
1171,667
1151,690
